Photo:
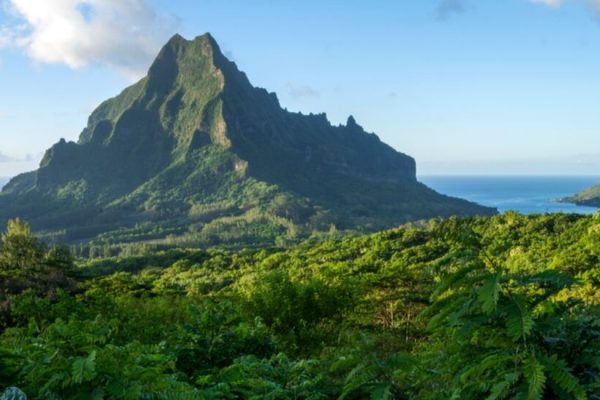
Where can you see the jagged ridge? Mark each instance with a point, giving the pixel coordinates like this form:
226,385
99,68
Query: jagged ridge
195,144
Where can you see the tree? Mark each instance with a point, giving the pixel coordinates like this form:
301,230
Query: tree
26,263
19,249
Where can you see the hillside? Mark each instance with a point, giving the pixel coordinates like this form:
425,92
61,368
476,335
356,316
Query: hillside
589,197
193,153
503,307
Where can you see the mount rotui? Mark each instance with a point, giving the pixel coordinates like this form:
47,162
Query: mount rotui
194,154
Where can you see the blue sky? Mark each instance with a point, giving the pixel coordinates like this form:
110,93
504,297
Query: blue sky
465,87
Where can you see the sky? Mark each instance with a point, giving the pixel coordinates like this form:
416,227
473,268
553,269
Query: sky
464,86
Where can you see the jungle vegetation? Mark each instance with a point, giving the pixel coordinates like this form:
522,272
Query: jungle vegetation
501,307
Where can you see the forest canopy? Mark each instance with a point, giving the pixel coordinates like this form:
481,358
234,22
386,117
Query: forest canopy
502,307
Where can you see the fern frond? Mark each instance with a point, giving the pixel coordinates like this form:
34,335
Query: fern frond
488,293
357,378
501,389
551,279
536,379
477,370
382,391
519,321
562,376
453,279
445,308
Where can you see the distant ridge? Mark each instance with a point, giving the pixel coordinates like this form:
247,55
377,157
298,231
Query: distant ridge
193,153
589,197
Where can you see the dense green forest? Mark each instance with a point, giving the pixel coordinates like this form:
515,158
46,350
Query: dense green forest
502,307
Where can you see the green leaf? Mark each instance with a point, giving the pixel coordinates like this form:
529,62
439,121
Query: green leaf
536,379
562,376
382,391
488,293
494,361
500,389
453,280
84,368
519,322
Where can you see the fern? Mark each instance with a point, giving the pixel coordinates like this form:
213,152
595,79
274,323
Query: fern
358,377
382,391
501,389
519,322
562,376
536,379
488,293
452,280
552,279
446,307
478,369
84,368
487,325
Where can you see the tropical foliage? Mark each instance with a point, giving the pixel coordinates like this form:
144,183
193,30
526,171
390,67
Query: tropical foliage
503,307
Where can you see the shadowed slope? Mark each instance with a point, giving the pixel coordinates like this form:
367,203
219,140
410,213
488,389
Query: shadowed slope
194,151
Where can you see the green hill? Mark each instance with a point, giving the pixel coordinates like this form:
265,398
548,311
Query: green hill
589,197
193,153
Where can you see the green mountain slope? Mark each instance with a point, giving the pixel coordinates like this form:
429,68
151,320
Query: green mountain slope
589,197
195,153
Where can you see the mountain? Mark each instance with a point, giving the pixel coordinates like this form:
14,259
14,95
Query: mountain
193,153
589,197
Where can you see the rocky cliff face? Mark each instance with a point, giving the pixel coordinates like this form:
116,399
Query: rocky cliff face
194,134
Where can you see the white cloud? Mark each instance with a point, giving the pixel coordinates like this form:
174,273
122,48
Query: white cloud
549,3
125,34
5,37
446,8
594,5
12,165
5,159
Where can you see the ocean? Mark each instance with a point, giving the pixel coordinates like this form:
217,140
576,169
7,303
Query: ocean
524,194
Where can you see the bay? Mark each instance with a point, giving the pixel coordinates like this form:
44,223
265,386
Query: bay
524,194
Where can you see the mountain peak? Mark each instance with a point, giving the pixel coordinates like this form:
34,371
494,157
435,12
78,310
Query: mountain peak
205,41
351,122
203,47
210,39
195,135
176,38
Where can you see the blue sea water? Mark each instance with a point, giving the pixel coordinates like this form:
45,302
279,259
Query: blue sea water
524,194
